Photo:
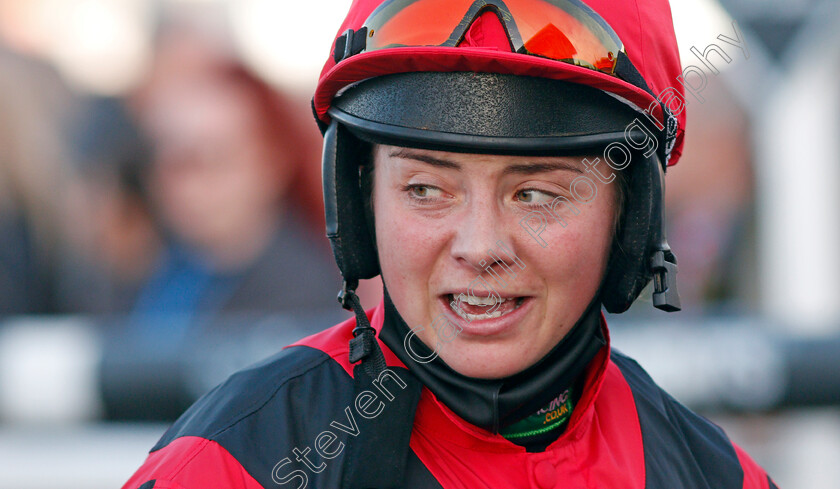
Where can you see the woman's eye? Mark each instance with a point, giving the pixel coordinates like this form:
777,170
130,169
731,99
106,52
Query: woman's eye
423,191
534,197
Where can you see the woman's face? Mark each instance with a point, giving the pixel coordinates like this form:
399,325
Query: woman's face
452,223
215,179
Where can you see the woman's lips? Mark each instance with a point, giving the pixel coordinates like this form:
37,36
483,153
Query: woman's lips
474,318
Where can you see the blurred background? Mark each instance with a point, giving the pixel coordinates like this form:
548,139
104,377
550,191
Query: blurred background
161,224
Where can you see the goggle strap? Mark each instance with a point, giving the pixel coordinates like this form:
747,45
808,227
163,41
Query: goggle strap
479,8
350,43
625,70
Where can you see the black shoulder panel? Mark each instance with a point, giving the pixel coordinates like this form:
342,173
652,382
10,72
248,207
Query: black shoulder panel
247,392
681,449
288,419
262,414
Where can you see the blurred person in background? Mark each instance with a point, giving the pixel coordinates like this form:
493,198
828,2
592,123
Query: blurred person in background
43,227
709,205
227,153
114,158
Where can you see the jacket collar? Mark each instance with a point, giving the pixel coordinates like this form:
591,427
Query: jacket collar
435,420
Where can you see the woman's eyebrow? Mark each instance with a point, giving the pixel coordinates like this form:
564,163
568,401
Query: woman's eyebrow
409,155
518,169
532,168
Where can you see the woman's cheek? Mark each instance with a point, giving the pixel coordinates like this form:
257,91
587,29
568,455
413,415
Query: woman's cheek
571,254
401,241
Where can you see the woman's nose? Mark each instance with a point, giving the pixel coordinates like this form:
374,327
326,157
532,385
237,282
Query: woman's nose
479,235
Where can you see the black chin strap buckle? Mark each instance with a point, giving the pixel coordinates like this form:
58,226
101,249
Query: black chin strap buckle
344,295
363,346
665,294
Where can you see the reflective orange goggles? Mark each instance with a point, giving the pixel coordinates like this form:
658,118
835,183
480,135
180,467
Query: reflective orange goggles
562,30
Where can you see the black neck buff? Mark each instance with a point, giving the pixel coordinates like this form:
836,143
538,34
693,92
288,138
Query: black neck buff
493,404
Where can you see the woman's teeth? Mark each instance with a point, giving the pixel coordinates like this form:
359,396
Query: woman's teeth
487,301
469,307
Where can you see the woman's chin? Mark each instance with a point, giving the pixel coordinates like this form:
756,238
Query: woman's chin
484,365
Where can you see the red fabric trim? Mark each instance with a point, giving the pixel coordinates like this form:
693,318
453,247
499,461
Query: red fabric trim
163,484
754,476
334,341
602,447
195,463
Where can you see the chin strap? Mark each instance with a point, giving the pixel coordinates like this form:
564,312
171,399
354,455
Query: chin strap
378,458
663,262
363,346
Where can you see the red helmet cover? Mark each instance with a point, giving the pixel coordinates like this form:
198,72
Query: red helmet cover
644,26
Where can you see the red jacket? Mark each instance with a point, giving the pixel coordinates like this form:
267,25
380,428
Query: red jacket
286,422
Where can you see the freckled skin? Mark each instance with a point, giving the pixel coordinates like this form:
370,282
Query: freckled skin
434,225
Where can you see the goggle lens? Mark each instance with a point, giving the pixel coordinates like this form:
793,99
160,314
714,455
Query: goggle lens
562,30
